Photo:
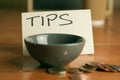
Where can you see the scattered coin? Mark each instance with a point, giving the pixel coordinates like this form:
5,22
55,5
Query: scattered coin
87,67
108,66
92,64
116,67
73,70
62,75
101,67
83,69
56,70
75,77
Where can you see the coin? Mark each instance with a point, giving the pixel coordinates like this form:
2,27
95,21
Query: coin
83,69
108,66
116,67
89,67
55,70
92,64
73,70
75,77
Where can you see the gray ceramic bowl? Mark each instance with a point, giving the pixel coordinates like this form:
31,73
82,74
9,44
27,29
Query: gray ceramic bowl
54,49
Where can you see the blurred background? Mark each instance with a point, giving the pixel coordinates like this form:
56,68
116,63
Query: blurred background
10,14
22,4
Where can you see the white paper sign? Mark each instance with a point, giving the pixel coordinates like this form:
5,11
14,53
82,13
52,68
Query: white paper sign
76,22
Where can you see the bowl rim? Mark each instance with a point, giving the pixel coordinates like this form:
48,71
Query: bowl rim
67,44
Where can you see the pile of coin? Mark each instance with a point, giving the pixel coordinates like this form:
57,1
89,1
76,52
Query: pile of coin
87,67
95,66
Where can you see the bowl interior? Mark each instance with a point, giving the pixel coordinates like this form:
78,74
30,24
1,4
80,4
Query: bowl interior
54,39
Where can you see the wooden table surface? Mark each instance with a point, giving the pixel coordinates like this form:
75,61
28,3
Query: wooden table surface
15,66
